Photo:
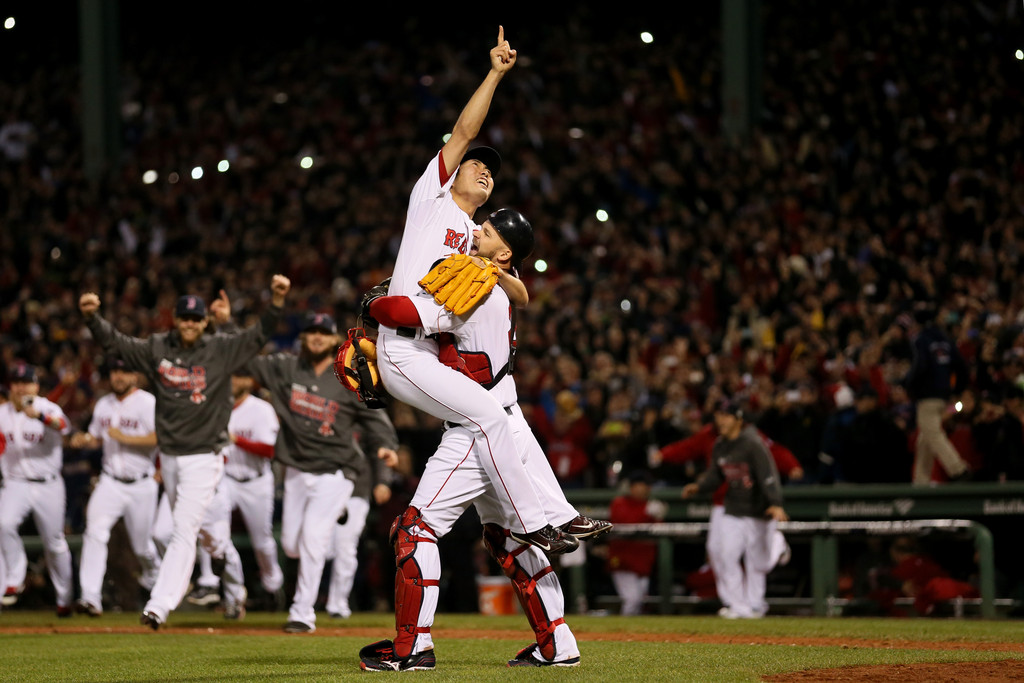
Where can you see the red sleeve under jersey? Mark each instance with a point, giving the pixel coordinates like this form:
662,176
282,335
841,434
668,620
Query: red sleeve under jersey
395,311
263,450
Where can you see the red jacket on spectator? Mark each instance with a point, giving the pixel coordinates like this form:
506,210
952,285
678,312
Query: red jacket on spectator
629,554
699,446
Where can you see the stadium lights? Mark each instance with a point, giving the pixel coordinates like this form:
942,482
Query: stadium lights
306,162
149,177
223,166
1019,54
197,173
540,265
9,23
602,215
647,37
173,178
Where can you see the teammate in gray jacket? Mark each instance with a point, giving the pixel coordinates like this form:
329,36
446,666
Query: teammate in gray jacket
190,375
319,420
753,505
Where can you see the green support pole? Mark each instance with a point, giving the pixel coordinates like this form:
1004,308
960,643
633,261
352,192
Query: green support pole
578,590
665,569
824,572
986,569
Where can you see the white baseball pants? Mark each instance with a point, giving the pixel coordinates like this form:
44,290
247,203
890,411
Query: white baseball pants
632,589
190,482
110,501
345,554
310,511
744,561
412,374
46,501
215,541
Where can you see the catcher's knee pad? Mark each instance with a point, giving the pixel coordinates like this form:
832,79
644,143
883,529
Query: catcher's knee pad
524,583
414,574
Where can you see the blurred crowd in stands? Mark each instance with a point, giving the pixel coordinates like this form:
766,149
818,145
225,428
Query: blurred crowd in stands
885,176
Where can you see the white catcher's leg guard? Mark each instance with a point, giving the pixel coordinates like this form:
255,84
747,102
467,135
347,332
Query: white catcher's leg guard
538,590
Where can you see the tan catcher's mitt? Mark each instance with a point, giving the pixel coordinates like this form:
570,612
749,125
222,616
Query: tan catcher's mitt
458,283
355,366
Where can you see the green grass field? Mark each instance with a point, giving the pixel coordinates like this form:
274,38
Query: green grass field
198,646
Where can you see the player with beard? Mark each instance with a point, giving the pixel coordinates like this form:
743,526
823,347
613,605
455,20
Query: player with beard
320,424
124,425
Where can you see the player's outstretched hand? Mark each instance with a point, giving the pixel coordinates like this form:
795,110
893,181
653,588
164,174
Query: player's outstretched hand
220,309
88,304
279,286
503,57
381,494
389,456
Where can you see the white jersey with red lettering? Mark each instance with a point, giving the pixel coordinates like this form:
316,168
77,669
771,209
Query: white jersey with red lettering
435,227
34,451
33,484
125,489
135,415
407,359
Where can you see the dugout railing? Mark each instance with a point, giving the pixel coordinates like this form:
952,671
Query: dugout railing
823,537
989,510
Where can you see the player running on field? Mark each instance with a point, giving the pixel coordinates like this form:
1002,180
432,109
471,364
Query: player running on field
123,424
190,374
32,428
248,486
319,419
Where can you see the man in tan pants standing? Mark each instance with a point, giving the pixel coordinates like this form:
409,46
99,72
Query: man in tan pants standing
937,375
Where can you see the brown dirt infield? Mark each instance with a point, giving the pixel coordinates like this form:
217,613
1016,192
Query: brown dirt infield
970,672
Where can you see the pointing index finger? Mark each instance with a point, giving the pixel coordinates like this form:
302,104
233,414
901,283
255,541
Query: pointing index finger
501,35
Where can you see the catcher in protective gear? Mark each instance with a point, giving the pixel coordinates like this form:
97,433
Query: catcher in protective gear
355,366
460,282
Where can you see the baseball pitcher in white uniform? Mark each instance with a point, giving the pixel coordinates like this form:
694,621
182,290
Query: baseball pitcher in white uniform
123,424
248,486
455,478
33,429
439,222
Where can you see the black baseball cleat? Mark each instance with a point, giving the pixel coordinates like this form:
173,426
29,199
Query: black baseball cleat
380,656
150,619
548,539
86,607
299,627
204,595
529,656
586,527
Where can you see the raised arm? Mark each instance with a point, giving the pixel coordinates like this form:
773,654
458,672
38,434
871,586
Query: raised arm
246,344
468,125
134,351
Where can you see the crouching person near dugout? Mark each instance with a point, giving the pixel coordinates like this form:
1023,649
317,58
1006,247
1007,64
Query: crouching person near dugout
753,506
